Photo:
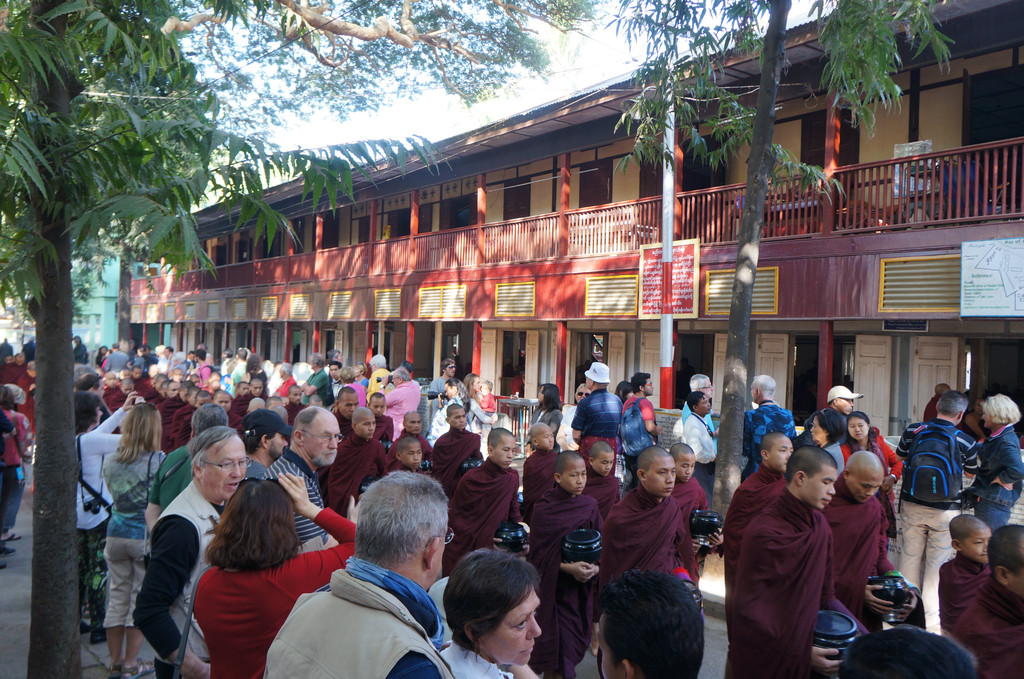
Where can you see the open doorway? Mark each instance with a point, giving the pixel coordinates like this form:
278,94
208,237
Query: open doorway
590,347
513,362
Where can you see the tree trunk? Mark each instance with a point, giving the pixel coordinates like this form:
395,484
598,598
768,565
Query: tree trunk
124,298
54,645
760,165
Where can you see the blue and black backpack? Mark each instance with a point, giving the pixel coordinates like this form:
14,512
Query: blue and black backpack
933,471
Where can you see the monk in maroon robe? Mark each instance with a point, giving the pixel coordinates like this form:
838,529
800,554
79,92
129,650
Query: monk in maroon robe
406,455
645,529
343,407
785,577
539,468
689,495
143,386
566,589
294,404
168,410
961,578
486,496
239,407
453,448
602,484
27,382
359,455
860,543
384,426
752,498
112,394
993,626
412,425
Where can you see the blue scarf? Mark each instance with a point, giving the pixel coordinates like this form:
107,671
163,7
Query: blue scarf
415,598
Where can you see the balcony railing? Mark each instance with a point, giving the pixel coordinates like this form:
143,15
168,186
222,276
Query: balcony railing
960,186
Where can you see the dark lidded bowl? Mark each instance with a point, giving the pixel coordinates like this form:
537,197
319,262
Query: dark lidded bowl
704,523
426,465
834,630
511,536
366,483
894,590
583,544
468,464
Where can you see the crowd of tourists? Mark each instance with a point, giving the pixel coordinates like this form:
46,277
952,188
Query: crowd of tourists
251,519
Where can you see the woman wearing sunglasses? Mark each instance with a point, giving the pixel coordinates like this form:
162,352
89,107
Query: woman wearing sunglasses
257,572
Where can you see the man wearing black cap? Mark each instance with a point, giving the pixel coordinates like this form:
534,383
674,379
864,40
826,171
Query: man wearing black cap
266,436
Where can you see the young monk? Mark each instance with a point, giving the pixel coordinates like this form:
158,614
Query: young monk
539,467
112,394
240,404
359,455
294,404
785,577
961,578
453,448
566,589
993,626
860,543
384,427
343,407
407,456
174,401
412,425
486,496
689,495
753,497
602,484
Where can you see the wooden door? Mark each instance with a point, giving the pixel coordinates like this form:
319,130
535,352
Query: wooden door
531,379
615,357
489,362
775,358
872,376
650,361
933,360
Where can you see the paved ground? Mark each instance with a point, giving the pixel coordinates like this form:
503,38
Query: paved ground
14,620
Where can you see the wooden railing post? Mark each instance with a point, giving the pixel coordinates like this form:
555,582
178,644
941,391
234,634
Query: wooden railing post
481,215
563,205
832,127
414,226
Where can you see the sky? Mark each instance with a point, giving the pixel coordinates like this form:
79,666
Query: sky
587,58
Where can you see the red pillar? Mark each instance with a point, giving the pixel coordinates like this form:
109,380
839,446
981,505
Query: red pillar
832,126
181,337
561,357
825,337
255,336
145,333
677,205
289,240
287,342
369,341
481,213
478,338
410,335
563,205
414,223
316,337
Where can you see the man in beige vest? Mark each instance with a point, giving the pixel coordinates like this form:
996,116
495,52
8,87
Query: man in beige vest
178,551
377,621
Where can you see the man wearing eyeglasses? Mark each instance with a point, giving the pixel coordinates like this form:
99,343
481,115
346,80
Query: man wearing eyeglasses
178,551
313,445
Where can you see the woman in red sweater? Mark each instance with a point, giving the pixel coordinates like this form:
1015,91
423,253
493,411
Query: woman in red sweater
258,573
862,436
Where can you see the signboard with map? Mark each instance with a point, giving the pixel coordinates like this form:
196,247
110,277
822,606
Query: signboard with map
992,278
685,274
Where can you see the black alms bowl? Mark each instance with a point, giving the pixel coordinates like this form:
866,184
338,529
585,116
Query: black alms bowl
468,464
834,630
511,536
366,483
583,544
704,523
894,590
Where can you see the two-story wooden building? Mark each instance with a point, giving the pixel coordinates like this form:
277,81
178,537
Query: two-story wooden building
521,251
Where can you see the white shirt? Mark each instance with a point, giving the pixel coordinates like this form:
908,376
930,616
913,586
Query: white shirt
96,445
468,665
697,435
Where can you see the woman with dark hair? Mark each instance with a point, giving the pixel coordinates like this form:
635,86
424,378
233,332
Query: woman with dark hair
490,603
254,368
477,420
549,411
101,357
257,572
862,436
128,474
827,429
623,390
454,394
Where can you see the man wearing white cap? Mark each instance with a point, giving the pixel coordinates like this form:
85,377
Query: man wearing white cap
839,399
597,416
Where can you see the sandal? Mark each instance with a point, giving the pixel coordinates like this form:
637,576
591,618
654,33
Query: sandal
140,670
11,538
115,671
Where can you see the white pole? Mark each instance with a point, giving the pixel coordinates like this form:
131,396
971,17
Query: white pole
668,187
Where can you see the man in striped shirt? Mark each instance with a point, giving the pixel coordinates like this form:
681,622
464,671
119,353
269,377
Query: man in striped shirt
314,444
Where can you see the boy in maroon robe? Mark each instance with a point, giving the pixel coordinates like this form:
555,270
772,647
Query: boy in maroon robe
962,577
539,468
602,484
294,404
240,404
566,589
168,408
753,496
412,425
407,456
343,407
181,423
359,455
860,543
384,426
993,626
453,448
143,385
112,394
785,577
486,496
645,529
689,495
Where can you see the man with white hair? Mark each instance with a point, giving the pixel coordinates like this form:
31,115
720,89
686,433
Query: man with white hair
318,383
404,398
767,417
377,620
379,374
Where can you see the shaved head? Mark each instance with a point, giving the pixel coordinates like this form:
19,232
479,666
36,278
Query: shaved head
566,459
810,460
539,429
599,448
400,446
679,450
497,436
452,409
361,414
864,462
964,526
651,455
864,474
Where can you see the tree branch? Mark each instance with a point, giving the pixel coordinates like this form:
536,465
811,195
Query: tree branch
175,24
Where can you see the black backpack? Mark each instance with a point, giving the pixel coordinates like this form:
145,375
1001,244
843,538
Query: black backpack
933,471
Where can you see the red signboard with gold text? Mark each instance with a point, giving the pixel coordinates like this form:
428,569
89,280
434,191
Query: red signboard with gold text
685,277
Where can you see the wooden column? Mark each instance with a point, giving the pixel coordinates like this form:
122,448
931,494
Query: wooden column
373,220
833,122
289,238
318,236
255,337
561,357
414,224
481,214
410,334
287,342
145,333
369,344
316,337
181,338
677,206
563,205
478,338
825,342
